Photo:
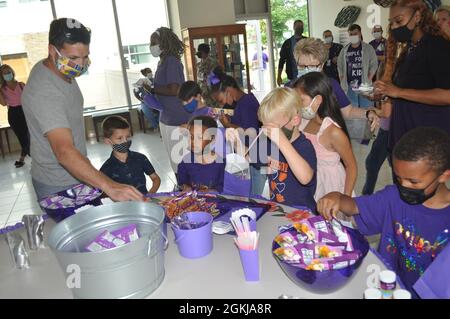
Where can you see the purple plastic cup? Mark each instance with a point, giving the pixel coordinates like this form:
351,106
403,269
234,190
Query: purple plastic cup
195,243
250,264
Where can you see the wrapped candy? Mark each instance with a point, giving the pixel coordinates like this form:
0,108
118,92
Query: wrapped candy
105,241
128,234
316,244
187,202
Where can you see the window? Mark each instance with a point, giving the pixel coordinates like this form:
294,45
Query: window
24,37
137,22
3,4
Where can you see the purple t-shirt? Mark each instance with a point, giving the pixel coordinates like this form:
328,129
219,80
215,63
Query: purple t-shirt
379,46
284,186
411,236
170,71
199,175
339,93
354,64
204,111
246,112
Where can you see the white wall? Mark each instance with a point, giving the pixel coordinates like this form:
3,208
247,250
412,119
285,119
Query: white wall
200,13
324,12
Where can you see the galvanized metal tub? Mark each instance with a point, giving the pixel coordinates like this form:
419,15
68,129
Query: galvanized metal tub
134,270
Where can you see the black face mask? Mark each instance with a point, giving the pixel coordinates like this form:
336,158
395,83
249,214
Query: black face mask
413,196
122,147
404,34
299,32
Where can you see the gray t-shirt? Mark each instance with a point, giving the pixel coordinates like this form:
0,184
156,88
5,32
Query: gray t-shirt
50,103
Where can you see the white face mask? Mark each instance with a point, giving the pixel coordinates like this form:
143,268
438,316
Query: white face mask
155,50
354,39
307,112
328,40
377,35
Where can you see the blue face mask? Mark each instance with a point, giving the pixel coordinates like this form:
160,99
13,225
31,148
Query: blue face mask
191,106
8,77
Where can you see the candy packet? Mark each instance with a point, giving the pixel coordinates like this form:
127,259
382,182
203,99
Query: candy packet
286,240
128,234
287,254
342,234
105,241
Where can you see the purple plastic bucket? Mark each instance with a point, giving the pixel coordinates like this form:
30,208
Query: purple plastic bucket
327,281
195,243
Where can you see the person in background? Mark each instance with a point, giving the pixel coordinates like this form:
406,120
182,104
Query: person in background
417,73
193,102
265,60
311,55
287,54
228,92
204,68
442,16
330,67
165,45
53,107
141,87
11,96
357,64
379,43
125,166
202,169
412,216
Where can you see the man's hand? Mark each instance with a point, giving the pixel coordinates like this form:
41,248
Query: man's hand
123,193
329,205
279,80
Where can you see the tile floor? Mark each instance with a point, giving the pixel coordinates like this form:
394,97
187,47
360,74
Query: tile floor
17,195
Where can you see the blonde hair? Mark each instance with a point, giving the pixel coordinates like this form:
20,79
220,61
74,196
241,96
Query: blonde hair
442,9
313,47
280,101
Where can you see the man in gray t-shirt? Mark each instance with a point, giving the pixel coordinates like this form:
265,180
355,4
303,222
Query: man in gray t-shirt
53,106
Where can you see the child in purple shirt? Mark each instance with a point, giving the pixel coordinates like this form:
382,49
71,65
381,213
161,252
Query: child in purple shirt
190,95
202,169
413,217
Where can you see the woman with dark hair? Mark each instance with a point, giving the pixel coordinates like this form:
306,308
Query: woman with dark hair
169,76
227,92
11,96
325,127
417,75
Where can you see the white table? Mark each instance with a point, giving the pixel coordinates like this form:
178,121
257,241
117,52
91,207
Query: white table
218,275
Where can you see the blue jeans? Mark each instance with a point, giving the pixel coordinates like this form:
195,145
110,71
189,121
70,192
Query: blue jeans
357,100
258,181
151,115
375,160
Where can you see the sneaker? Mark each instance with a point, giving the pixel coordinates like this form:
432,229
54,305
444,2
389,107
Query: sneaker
19,164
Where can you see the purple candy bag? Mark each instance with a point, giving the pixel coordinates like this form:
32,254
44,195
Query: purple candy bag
286,240
128,233
327,237
104,241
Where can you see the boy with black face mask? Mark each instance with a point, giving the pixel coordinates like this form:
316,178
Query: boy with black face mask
413,216
125,166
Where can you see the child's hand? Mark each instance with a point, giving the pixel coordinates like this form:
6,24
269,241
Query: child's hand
329,205
275,133
224,119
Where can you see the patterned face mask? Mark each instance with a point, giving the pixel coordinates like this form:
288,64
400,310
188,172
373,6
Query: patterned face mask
122,147
69,68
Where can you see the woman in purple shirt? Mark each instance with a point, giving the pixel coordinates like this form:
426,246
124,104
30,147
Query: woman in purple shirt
168,78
